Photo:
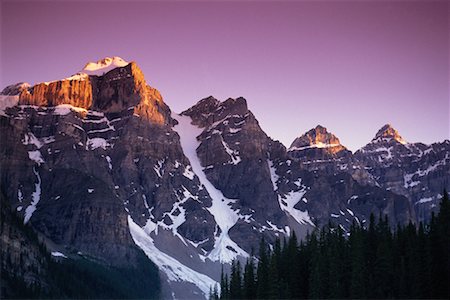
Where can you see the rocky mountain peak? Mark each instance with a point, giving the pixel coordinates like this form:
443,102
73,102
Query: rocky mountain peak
388,133
317,137
110,85
210,110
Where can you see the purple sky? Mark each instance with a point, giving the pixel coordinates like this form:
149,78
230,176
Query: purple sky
349,66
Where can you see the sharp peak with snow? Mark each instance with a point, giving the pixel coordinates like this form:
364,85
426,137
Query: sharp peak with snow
318,137
388,133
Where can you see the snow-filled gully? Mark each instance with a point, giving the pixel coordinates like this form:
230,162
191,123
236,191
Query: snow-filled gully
225,249
224,215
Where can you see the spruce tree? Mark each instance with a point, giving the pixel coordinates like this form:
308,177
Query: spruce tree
249,285
263,271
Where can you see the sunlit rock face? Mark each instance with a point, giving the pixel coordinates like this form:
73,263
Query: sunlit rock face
316,144
117,90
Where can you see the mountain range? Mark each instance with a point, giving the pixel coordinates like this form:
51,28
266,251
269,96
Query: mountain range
100,168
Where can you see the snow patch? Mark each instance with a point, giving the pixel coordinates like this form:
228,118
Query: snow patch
58,254
95,143
174,270
19,195
188,173
287,203
103,66
424,200
65,109
36,156
159,168
35,197
234,154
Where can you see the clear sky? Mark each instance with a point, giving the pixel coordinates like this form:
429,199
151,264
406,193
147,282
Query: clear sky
351,66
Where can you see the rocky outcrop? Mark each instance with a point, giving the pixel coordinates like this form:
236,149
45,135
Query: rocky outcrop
74,92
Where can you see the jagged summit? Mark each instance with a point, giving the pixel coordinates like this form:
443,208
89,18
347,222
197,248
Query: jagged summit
317,145
210,110
104,65
388,133
317,137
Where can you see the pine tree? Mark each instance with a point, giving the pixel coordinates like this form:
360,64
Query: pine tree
262,271
224,289
358,277
236,280
249,289
383,265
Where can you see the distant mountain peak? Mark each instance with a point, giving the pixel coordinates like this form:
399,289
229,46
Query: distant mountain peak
388,133
318,137
104,65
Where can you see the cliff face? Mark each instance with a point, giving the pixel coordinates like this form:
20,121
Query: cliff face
77,92
120,89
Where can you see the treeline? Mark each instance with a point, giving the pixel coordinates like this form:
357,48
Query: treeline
372,262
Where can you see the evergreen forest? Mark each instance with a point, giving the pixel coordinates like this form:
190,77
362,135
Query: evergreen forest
374,261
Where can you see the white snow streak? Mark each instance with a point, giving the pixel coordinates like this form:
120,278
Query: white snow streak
35,197
108,159
317,145
224,215
174,270
58,254
424,200
287,203
234,155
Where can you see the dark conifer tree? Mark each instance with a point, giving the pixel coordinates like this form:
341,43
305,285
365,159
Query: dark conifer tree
262,273
236,280
249,285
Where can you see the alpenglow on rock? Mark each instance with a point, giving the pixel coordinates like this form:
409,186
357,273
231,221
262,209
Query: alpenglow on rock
388,133
110,85
317,144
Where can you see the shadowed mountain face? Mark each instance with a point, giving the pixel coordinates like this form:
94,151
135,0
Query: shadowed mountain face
99,166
